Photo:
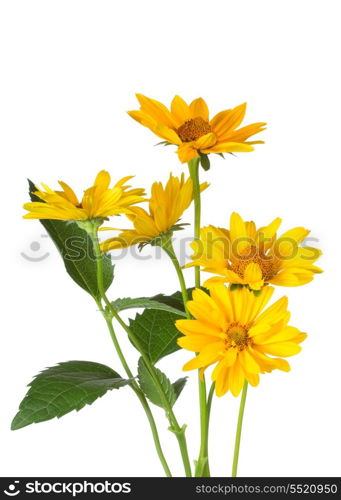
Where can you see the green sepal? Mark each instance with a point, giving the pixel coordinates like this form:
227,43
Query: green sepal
162,238
204,161
235,286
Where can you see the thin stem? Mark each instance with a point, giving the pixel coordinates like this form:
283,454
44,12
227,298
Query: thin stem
193,166
202,464
115,341
168,248
239,430
203,467
209,399
208,413
134,386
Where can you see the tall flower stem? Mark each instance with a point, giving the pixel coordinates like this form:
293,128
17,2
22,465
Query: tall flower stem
208,409
134,386
193,166
174,425
167,246
239,430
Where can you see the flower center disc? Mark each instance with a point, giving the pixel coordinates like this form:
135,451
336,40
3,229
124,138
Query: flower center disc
237,336
269,265
192,129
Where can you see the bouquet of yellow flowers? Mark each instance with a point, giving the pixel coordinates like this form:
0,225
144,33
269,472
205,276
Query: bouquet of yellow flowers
226,322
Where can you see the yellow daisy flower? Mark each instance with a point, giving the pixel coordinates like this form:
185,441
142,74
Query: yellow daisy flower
98,202
166,206
244,255
189,127
231,331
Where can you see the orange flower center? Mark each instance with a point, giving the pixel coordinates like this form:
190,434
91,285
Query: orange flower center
269,265
192,129
237,336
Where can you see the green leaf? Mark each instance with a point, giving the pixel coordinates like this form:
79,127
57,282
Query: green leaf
76,249
147,384
174,300
145,303
151,390
205,161
178,386
156,332
63,388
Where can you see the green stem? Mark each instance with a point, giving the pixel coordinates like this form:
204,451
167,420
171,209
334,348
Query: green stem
168,248
193,166
239,430
134,386
209,399
208,411
202,464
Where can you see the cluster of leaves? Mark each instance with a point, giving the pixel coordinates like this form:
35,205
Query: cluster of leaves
71,385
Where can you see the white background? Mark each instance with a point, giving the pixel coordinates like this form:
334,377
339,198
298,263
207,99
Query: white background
69,73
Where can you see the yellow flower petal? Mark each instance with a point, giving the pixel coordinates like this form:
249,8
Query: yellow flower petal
180,110
167,133
275,313
238,231
228,147
69,193
222,381
228,120
208,355
156,110
194,327
248,362
194,343
205,141
236,379
244,133
280,349
198,108
187,152
253,276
